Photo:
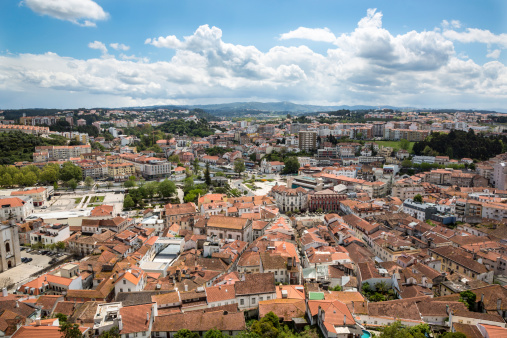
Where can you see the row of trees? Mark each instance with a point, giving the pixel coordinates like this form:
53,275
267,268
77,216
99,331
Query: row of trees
136,196
30,175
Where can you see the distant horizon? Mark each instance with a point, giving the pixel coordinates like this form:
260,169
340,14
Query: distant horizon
343,106
86,53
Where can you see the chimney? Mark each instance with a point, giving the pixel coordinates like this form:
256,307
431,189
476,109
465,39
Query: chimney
447,308
17,304
147,316
482,298
120,325
4,292
186,287
344,319
499,304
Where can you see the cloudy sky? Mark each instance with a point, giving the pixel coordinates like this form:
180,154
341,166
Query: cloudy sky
110,53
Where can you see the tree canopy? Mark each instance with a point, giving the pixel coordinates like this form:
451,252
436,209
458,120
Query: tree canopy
461,144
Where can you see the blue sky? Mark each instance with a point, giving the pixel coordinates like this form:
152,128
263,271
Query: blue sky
107,53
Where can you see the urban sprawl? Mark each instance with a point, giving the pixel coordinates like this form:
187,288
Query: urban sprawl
176,223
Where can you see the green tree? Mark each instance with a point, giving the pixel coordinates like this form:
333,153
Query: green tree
291,165
6,180
185,333
214,333
452,335
395,330
404,144
174,158
268,326
70,330
129,184
406,163
89,182
420,331
381,287
336,288
166,188
70,171
19,178
61,318
151,189
239,166
195,166
366,288
49,174
72,183
114,332
468,298
418,198
30,179
128,202
377,297
60,245
207,176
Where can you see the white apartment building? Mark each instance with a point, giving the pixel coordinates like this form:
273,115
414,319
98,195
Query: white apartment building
50,234
15,208
500,175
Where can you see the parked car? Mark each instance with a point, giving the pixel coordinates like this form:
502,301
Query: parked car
23,259
29,259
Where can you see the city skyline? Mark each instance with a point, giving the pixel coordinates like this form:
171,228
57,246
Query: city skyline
84,53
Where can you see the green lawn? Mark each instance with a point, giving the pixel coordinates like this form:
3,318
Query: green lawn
97,199
77,200
395,145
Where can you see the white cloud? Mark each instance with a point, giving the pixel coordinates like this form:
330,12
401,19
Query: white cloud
119,46
495,54
314,34
454,23
80,12
99,46
366,66
471,35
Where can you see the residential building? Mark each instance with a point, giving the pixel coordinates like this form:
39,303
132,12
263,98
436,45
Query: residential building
230,228
290,199
307,140
15,208
421,211
255,288
50,234
457,260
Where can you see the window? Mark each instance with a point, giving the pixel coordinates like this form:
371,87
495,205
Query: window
269,297
121,290
276,273
242,302
253,300
261,299
124,281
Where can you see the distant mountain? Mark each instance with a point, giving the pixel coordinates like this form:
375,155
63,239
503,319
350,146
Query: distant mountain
265,107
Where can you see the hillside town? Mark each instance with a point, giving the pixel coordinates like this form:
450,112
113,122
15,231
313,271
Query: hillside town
176,223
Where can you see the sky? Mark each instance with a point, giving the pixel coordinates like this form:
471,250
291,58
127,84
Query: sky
120,53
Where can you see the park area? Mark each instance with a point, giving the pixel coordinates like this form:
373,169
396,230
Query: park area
396,145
